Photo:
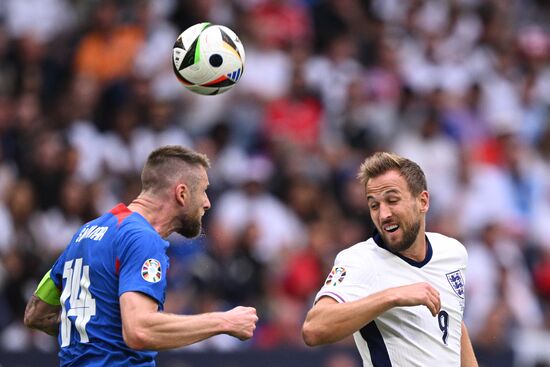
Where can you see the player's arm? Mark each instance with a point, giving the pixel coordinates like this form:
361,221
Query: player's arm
329,321
467,356
43,309
144,327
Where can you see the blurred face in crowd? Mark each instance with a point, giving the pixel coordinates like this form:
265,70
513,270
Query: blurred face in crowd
396,213
191,217
21,201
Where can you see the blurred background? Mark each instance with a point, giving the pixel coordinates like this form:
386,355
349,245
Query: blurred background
460,86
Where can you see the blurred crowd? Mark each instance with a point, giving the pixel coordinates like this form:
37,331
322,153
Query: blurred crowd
460,86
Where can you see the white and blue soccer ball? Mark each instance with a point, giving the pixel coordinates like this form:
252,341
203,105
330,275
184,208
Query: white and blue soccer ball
208,59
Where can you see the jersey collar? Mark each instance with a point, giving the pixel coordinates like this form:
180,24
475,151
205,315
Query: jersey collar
418,264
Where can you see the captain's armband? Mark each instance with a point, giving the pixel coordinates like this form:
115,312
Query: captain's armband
47,291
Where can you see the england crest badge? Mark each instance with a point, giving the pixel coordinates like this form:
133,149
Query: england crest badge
457,282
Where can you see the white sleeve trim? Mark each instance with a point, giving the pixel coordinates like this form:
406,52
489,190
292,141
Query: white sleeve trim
332,295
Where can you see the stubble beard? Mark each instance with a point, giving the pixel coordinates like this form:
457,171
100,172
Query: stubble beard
409,236
191,227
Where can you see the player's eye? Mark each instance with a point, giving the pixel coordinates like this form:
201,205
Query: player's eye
393,200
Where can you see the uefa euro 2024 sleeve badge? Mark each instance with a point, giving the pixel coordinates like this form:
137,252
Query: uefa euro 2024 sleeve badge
151,271
336,276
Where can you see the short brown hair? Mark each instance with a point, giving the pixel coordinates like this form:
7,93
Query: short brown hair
382,162
169,163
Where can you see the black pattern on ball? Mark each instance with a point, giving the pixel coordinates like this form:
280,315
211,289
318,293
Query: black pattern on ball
179,44
189,58
229,41
215,60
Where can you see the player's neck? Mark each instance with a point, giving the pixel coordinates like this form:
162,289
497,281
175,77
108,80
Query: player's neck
418,250
154,212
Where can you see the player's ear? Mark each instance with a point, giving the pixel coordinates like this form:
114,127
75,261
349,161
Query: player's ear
424,201
181,193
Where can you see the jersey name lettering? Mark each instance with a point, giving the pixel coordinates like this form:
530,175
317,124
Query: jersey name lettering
94,232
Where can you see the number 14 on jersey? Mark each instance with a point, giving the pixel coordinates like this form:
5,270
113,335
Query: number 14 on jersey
81,302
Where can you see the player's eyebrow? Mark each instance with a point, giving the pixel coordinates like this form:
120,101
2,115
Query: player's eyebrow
385,193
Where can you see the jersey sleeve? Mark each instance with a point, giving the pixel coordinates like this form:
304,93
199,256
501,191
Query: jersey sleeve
143,265
351,278
463,264
56,272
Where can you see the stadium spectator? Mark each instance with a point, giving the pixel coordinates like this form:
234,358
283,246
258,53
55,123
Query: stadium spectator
228,270
251,203
160,130
22,214
421,145
56,226
43,20
268,15
338,61
502,278
108,49
296,117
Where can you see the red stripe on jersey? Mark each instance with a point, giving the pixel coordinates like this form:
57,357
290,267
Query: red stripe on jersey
121,211
117,265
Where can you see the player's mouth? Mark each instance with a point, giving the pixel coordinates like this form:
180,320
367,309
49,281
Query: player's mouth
391,228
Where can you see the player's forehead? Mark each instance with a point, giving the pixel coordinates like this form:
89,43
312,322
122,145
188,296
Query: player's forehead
391,182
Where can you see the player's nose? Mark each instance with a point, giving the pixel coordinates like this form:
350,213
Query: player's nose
385,211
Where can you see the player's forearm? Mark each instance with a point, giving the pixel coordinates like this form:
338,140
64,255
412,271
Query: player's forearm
467,356
330,322
42,316
158,331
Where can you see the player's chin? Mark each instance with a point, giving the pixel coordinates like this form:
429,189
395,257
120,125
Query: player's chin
191,230
392,241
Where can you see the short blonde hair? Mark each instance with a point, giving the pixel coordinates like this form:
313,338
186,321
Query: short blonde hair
170,163
382,162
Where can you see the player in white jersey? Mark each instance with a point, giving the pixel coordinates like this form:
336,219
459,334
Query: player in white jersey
401,292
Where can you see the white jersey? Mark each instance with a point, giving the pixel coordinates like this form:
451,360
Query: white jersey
404,336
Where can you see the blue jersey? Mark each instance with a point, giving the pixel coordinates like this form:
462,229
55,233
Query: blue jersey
116,253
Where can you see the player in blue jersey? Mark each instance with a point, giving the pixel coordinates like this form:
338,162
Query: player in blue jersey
104,295
401,292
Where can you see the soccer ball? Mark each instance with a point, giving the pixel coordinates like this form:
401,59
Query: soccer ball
208,59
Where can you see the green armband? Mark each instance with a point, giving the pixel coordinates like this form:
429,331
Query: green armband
47,291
